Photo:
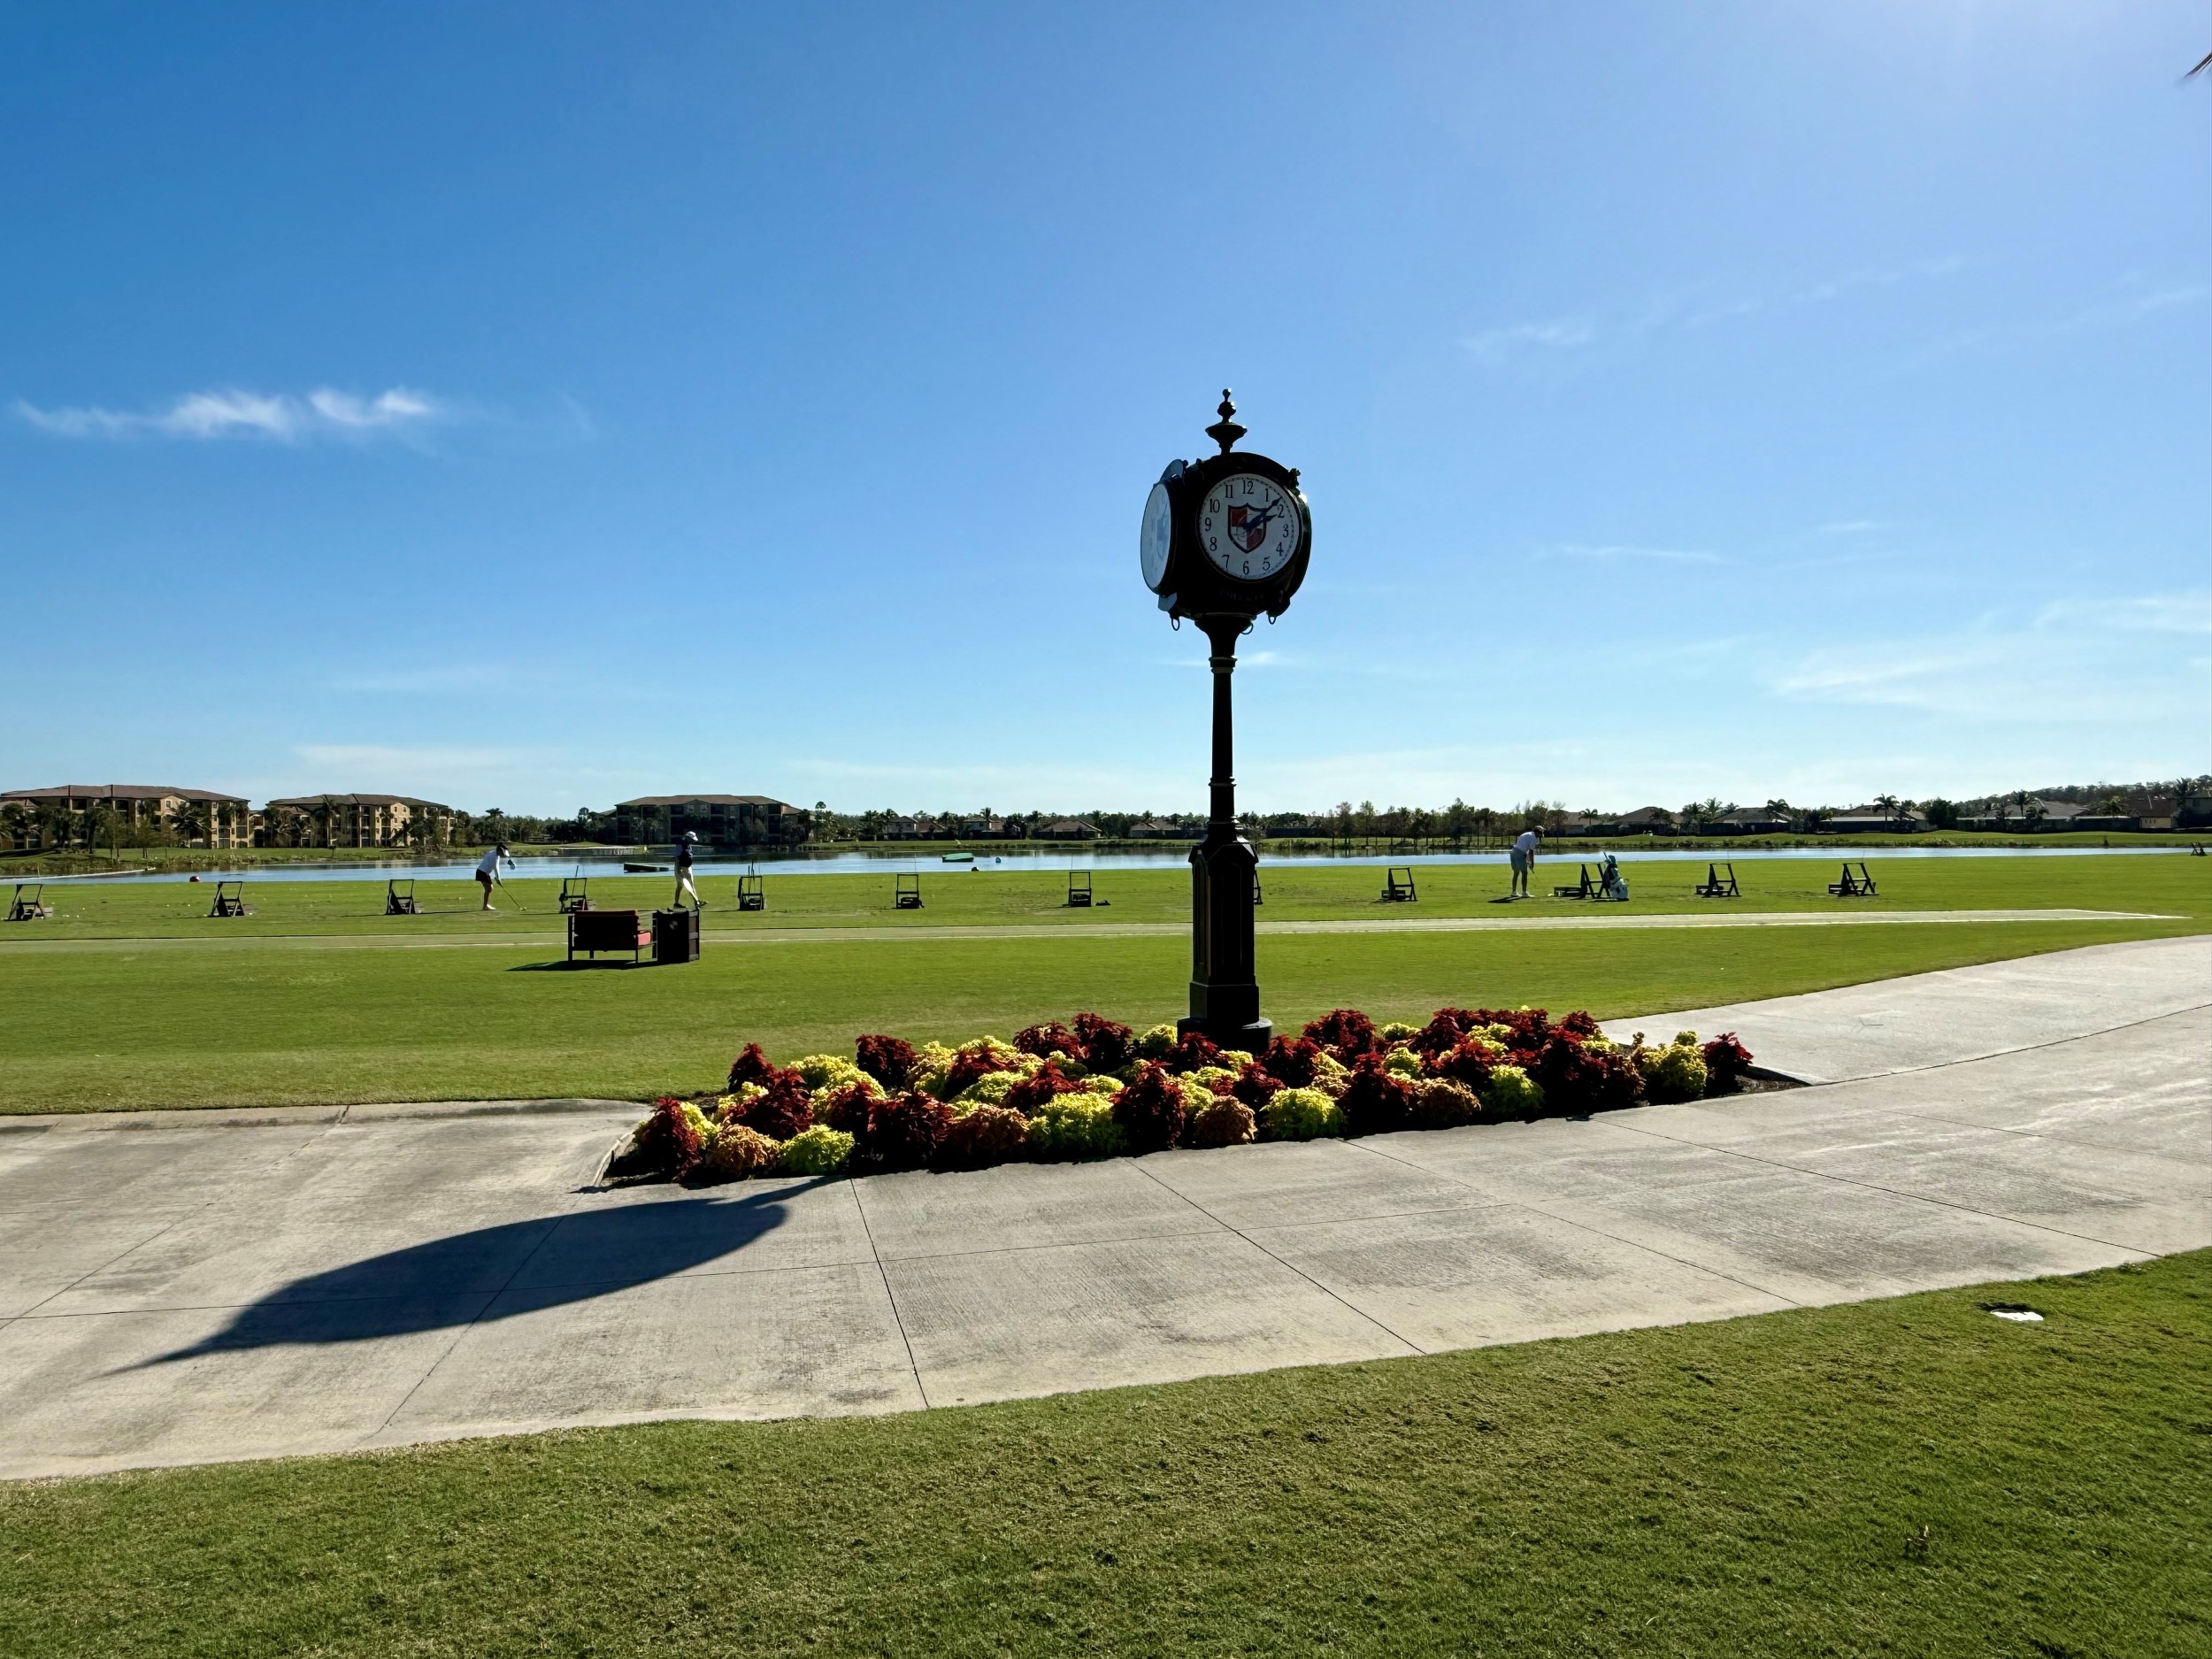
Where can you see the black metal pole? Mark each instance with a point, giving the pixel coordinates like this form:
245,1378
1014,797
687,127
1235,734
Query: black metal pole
1222,785
1225,994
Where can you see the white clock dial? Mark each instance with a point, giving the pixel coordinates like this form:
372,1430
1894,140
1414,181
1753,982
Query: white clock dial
1248,525
1154,537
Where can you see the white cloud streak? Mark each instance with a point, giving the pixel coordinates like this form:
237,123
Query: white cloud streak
1701,306
2081,659
1616,552
1492,344
230,413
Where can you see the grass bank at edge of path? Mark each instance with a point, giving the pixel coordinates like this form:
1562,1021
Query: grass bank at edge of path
1905,1476
110,1029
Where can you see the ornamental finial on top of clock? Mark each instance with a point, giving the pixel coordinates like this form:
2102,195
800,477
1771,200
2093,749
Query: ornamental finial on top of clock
1226,431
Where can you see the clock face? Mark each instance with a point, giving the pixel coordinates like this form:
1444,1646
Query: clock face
1248,525
1153,538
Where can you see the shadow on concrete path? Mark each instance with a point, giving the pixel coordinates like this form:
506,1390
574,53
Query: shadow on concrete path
458,1280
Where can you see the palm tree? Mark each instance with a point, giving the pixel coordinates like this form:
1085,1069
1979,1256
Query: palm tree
190,822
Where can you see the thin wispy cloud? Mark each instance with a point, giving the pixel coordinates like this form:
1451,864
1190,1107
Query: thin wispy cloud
1850,527
2155,613
2079,659
325,412
1617,552
1703,305
1492,344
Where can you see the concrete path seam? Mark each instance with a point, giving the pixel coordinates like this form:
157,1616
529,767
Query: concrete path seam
1584,1226
460,1332
1892,1191
1356,1312
889,1295
174,1223
1998,1053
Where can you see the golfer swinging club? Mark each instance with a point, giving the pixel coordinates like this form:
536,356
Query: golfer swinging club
487,870
683,872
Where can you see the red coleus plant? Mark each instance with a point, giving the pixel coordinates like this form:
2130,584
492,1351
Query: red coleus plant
1108,1044
890,1060
1291,1061
1192,1050
752,1066
1579,1078
902,1132
667,1141
1255,1086
846,1108
1048,1039
1376,1101
1150,1108
1443,1032
1726,1060
984,1136
1467,1062
783,1111
1344,1033
970,1062
1034,1090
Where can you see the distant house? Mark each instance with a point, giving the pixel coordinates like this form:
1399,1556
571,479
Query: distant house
354,820
1067,829
1155,829
63,814
1750,820
2041,815
987,829
1584,823
1875,820
719,821
1645,820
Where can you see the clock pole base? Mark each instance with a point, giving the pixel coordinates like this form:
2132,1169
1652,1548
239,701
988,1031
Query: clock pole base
1252,1037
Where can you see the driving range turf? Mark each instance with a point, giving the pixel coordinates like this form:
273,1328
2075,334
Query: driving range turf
132,997
1909,1475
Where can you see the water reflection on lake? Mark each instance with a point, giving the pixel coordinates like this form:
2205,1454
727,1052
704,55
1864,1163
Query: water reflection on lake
1175,857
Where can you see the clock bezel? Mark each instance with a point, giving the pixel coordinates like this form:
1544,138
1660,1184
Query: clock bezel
1289,492
1195,586
1165,485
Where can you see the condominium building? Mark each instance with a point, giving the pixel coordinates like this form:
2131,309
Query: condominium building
81,814
719,821
356,820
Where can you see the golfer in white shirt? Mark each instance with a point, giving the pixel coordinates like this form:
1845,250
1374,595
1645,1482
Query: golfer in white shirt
487,870
1522,858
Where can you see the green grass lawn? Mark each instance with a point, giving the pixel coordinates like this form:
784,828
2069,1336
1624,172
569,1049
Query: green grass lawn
1906,1477
955,897
261,1020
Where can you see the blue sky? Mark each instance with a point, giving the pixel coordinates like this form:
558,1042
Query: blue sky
532,406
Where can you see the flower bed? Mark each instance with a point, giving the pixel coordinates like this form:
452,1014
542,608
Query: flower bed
1094,1088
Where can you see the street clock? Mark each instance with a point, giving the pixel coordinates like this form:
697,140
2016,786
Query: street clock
1224,540
1227,536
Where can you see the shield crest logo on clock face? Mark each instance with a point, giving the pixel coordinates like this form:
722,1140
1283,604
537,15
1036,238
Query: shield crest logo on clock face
1248,529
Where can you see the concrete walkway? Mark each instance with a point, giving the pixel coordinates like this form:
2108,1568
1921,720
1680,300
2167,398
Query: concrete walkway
176,1288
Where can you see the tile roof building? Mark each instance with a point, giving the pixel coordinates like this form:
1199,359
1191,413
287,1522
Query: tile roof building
719,821
57,815
356,820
